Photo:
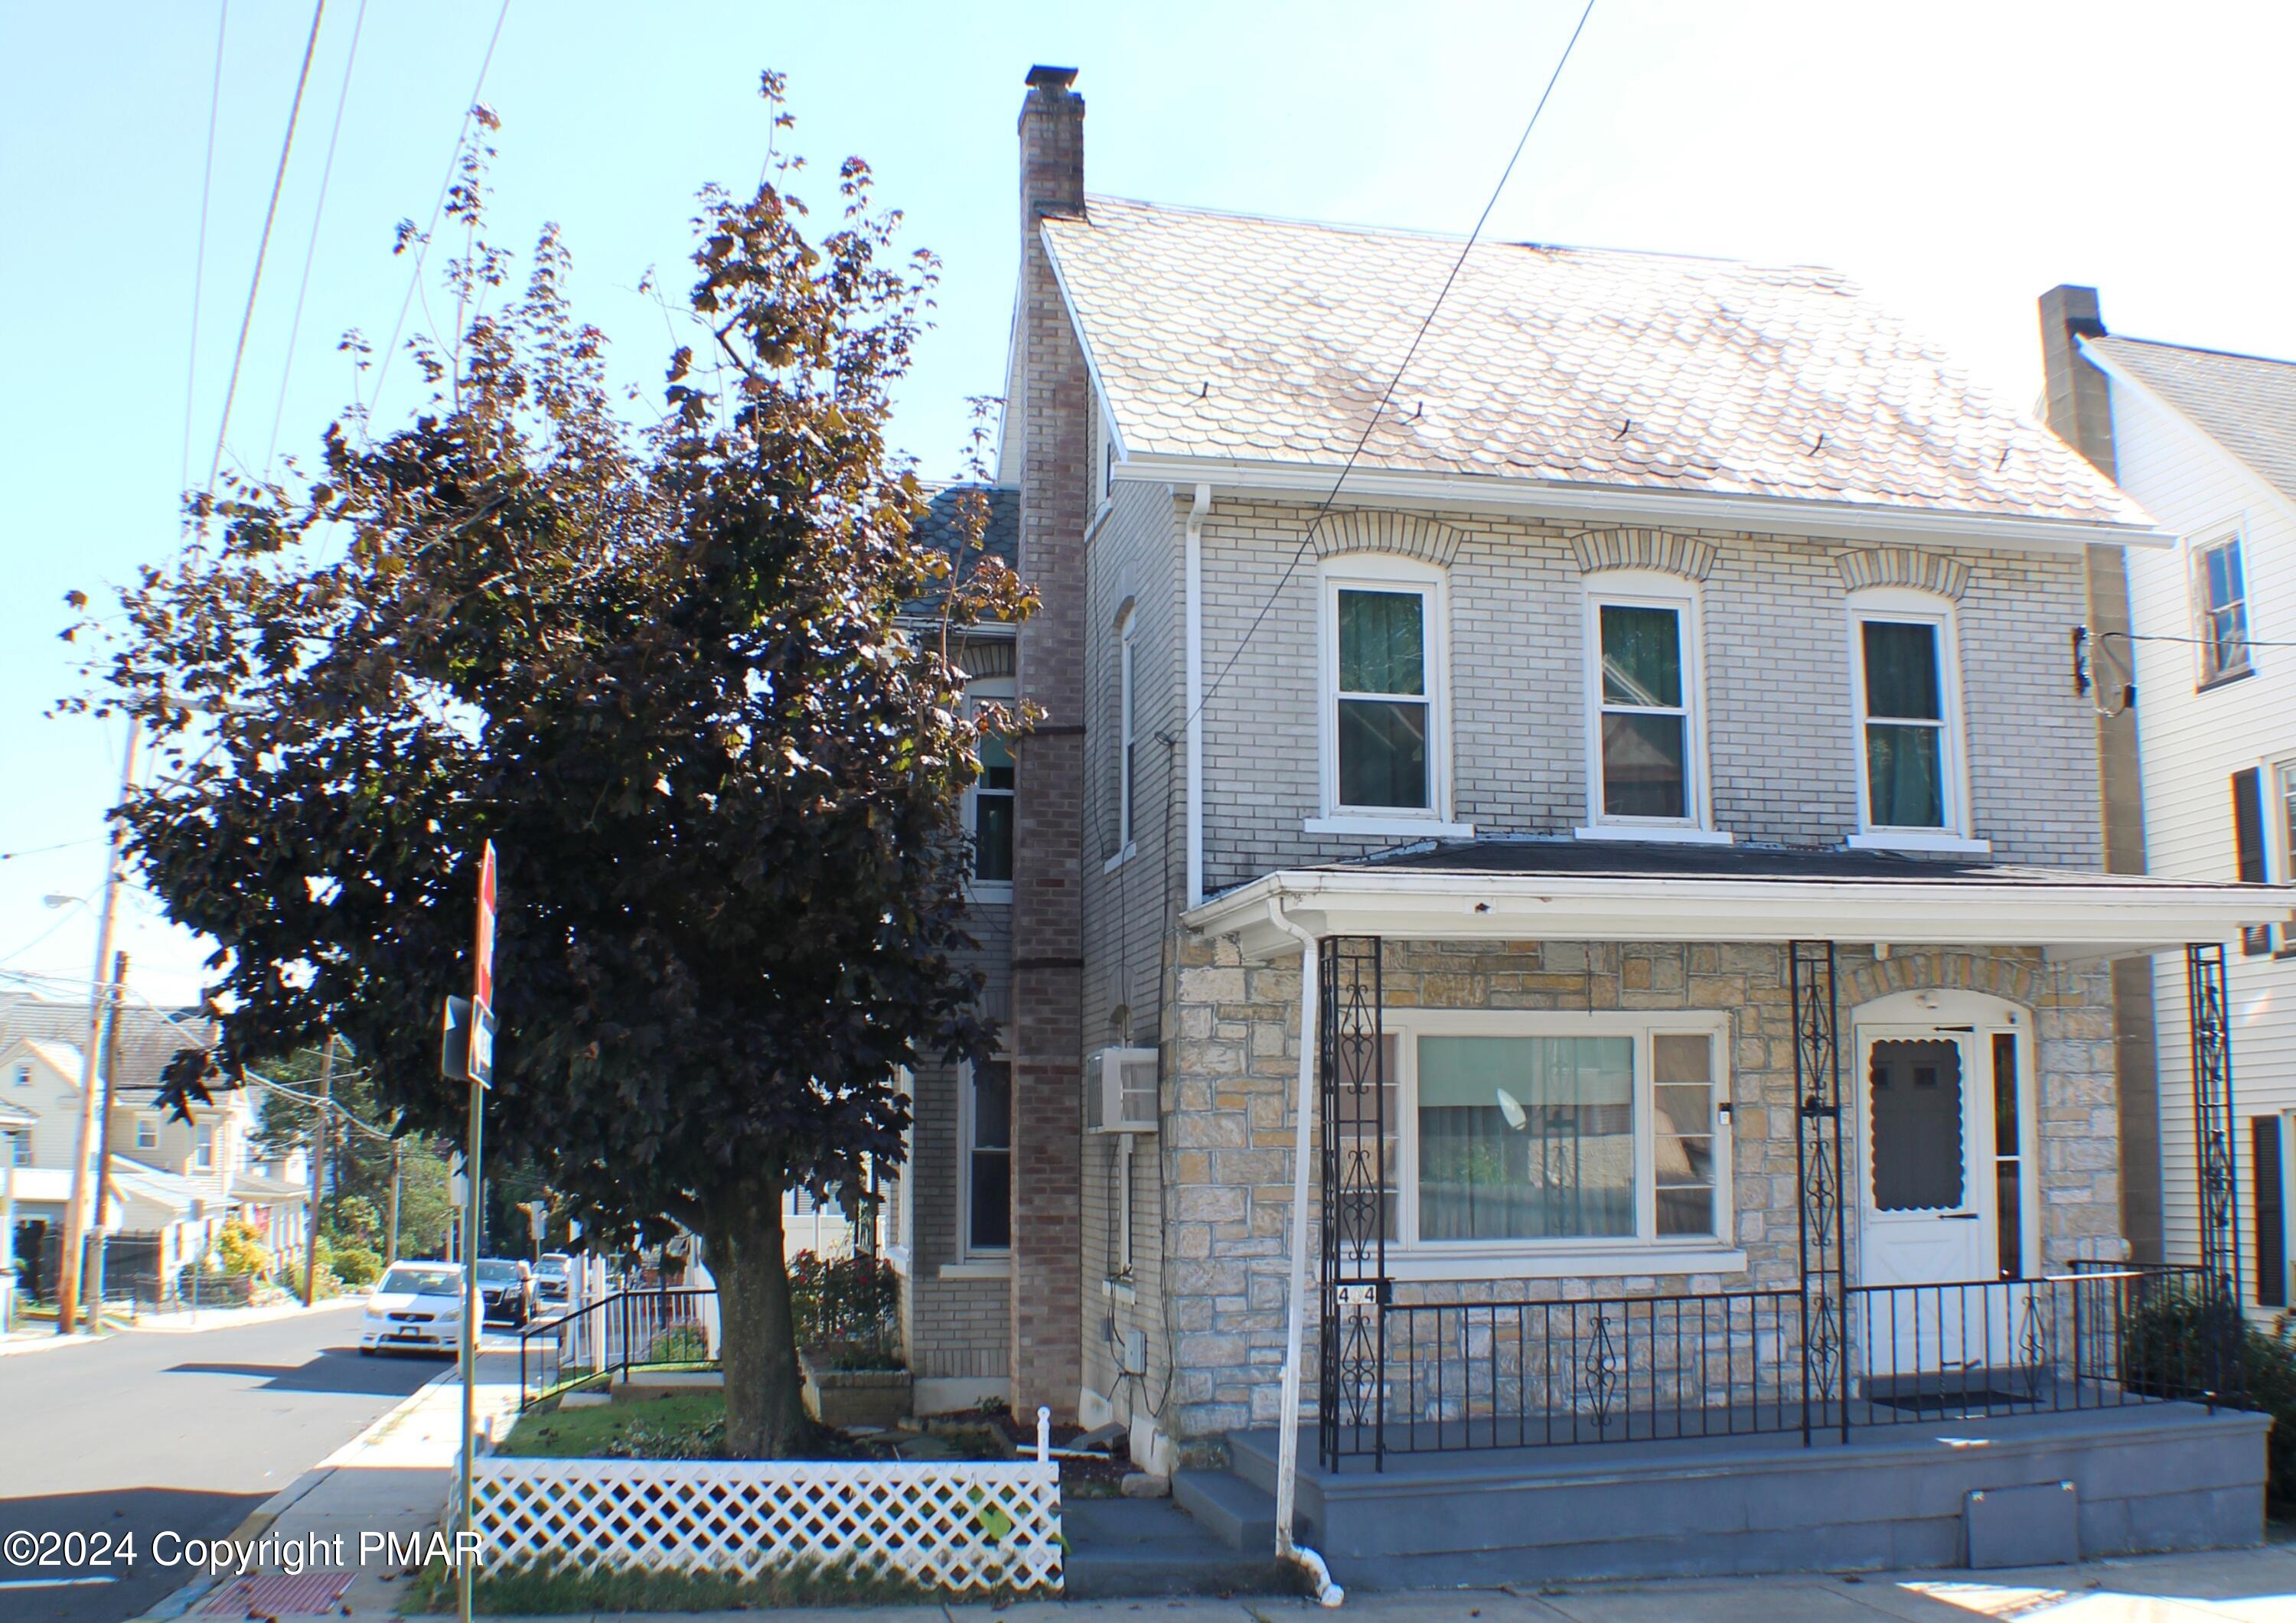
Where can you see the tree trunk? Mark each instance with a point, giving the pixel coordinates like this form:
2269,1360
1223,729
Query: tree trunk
764,1402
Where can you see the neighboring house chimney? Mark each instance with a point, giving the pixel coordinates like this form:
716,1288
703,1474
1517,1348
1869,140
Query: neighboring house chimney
1053,416
2079,403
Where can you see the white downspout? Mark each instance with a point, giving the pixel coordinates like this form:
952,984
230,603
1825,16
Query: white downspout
1192,570
1287,1436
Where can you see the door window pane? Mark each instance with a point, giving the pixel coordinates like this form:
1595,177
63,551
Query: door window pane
1914,1121
2008,1164
990,1172
1681,1076
1526,1138
1645,724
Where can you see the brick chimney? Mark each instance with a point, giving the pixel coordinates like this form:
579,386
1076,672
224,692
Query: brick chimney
1053,416
2079,401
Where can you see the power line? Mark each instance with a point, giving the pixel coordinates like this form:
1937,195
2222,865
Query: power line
1324,507
42,850
263,244
445,183
200,259
311,248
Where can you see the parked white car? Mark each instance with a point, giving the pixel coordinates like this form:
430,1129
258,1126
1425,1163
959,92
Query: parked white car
417,1307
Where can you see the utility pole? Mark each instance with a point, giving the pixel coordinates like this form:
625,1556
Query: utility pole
318,1172
397,1171
101,1239
75,1236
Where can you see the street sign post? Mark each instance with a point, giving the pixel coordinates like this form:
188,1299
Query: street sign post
477,1064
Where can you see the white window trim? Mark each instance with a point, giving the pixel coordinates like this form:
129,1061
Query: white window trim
998,1260
2235,536
203,1148
1650,589
1644,1252
988,690
1903,605
1379,572
147,1132
1126,702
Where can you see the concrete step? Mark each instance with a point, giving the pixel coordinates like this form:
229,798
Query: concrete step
1120,1548
1239,1515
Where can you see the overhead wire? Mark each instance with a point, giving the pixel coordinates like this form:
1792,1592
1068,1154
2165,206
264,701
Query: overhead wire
446,184
263,244
311,247
200,253
1323,508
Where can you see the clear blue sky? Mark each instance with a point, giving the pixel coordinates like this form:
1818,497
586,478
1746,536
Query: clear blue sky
1959,159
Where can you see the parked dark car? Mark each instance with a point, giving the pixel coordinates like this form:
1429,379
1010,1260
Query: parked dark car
506,1290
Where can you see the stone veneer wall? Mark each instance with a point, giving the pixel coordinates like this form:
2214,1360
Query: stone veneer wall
1232,1065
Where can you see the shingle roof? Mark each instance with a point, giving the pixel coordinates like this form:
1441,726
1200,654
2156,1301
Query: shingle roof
1238,337
2245,402
945,518
148,1038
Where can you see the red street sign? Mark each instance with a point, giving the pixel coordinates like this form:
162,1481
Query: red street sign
482,983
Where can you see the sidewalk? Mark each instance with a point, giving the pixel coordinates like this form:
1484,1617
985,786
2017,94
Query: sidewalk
39,1337
2250,1586
390,1480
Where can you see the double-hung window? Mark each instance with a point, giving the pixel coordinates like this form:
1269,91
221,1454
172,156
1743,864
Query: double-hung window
989,805
1911,782
1384,753
147,1132
1644,739
1562,1136
203,1148
985,1158
2220,610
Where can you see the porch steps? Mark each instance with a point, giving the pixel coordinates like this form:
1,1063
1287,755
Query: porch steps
1133,1548
1239,1515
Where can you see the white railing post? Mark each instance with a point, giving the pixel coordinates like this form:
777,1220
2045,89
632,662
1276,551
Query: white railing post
1043,1435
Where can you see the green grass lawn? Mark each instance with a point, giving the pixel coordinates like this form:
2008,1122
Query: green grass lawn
657,1426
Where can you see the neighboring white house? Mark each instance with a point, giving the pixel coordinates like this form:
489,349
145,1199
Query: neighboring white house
2207,442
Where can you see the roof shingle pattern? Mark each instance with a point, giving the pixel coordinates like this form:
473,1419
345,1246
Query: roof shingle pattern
2245,402
1232,336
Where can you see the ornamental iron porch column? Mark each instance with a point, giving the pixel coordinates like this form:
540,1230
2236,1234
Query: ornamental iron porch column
2213,1125
1821,1182
1352,1067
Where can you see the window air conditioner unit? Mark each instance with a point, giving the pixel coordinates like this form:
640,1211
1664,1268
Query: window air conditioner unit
1121,1091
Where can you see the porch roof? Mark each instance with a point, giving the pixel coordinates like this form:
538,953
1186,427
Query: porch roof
1555,889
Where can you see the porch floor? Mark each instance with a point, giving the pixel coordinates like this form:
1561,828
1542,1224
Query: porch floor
2167,1476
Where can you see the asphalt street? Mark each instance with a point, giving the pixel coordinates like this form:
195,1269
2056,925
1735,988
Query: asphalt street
167,1436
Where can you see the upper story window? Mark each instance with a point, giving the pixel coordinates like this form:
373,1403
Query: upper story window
203,1148
20,1149
1645,731
2220,610
22,1076
1912,777
147,1132
990,804
1382,678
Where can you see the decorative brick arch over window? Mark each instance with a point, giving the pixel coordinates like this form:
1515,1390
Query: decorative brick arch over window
1688,556
1404,535
1903,566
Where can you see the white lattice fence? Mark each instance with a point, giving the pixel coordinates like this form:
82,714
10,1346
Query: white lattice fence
964,1526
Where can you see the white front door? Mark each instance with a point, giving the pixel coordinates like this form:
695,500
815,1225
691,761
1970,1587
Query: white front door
1926,1203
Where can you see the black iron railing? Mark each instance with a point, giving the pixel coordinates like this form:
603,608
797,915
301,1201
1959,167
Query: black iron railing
621,1331
1469,1375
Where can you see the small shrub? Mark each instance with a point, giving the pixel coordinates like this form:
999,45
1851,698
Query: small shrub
848,1306
355,1265
679,1344
2175,1344
239,1250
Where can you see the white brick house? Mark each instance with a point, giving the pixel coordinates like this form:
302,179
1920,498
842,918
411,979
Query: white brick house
1661,746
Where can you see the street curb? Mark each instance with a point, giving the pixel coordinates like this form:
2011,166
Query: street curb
252,1525
20,1345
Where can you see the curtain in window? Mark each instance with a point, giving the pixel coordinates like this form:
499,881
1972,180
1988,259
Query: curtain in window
1644,724
1526,1138
1904,727
1382,741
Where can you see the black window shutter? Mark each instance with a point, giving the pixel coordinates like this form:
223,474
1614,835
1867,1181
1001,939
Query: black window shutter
2271,1215
2248,844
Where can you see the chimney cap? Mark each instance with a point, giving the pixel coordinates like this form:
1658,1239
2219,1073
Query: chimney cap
1041,78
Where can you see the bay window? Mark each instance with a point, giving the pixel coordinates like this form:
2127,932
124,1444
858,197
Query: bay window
1910,771
1565,1138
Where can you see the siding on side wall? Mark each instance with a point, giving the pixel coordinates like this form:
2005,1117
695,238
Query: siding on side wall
1777,672
2192,743
1134,556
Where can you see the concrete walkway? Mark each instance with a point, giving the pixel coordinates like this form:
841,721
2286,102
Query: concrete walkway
39,1337
2250,1586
